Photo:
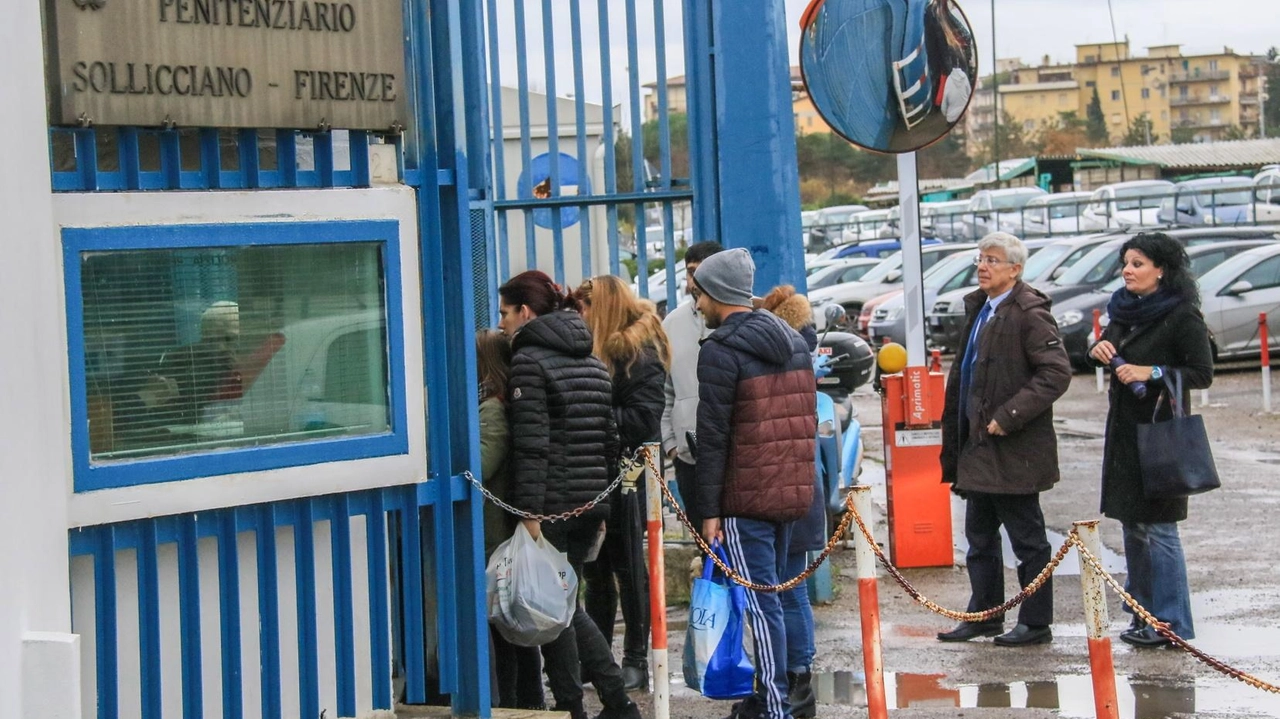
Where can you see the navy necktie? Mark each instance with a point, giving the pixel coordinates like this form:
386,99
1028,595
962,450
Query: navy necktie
966,365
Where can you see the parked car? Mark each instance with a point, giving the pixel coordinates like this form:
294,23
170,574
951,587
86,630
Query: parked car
826,227
865,226
849,269
1075,315
1208,201
1125,204
874,248
989,208
882,278
889,318
1266,196
1056,214
1231,296
944,220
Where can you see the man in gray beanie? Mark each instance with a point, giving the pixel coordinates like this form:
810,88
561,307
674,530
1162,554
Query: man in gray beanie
756,395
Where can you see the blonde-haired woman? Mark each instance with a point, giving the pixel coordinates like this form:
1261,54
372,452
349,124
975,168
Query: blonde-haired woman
628,337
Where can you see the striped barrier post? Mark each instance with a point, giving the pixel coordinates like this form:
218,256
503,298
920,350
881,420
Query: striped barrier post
658,661
1096,625
1265,344
869,608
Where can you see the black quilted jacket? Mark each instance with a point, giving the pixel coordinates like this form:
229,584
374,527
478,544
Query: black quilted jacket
563,434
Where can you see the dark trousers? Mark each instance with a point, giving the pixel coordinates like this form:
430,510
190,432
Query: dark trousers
758,551
632,582
580,653
1022,519
686,475
518,673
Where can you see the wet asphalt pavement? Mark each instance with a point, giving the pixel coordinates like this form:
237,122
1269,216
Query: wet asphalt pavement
1231,539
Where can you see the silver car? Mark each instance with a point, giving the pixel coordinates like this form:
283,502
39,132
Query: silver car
1234,293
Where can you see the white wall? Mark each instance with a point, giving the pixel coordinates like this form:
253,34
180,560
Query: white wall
33,503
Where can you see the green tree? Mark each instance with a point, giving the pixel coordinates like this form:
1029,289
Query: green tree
1235,132
1062,135
678,127
1141,132
1182,135
1095,121
945,158
1014,140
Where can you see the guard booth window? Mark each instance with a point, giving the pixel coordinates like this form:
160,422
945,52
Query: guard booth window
212,348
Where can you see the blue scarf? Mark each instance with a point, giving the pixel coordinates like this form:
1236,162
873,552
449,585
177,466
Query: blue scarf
1133,310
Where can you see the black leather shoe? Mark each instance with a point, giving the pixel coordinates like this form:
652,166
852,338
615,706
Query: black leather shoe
804,704
1025,635
1146,637
635,677
965,631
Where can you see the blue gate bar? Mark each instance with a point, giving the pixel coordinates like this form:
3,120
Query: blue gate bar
584,162
526,154
250,158
610,159
322,151
210,158
379,624
698,91
553,139
664,122
87,158
129,161
268,611
189,618
106,636
499,141
149,663
411,612
229,611
637,151
343,613
304,560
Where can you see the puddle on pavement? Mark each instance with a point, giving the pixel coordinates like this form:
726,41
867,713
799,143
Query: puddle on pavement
1071,695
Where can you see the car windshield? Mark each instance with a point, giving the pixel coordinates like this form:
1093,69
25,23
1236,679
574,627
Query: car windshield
1093,268
1010,202
1226,196
1041,261
943,272
1063,209
1134,198
880,271
823,275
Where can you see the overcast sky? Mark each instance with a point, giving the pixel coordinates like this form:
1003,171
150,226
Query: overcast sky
1028,29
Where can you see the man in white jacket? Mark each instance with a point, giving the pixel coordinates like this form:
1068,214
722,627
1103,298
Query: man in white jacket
685,330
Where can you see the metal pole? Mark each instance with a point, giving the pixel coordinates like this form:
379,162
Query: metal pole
1096,623
995,96
869,608
1265,344
912,279
657,590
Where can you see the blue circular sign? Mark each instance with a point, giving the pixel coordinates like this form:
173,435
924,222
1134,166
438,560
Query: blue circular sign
535,183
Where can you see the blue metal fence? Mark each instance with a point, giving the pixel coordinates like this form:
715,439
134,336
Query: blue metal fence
381,509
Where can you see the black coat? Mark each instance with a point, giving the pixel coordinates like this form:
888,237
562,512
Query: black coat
563,435
1178,341
638,401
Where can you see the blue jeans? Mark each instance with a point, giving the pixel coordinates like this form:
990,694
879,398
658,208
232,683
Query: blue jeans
757,550
798,616
1157,576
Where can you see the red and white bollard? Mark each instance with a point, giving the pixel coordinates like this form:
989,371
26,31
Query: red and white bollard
658,660
869,608
1096,624
1097,335
1264,342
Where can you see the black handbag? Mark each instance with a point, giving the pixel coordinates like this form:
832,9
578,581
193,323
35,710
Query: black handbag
1174,455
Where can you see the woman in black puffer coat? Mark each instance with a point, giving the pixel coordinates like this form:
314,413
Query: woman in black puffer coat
564,441
629,339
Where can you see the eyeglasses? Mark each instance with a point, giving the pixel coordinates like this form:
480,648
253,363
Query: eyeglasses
990,261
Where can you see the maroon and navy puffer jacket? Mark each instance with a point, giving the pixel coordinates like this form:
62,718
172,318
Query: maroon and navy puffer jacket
756,420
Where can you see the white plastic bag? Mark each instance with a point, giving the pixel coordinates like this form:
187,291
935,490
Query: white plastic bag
532,590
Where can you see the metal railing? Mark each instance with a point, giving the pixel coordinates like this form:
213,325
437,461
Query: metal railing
1194,208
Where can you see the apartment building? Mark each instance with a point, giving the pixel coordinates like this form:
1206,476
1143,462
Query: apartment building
1197,98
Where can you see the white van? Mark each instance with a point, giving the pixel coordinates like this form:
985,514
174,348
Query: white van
1266,192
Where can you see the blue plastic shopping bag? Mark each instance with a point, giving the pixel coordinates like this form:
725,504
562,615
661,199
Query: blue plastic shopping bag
721,665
